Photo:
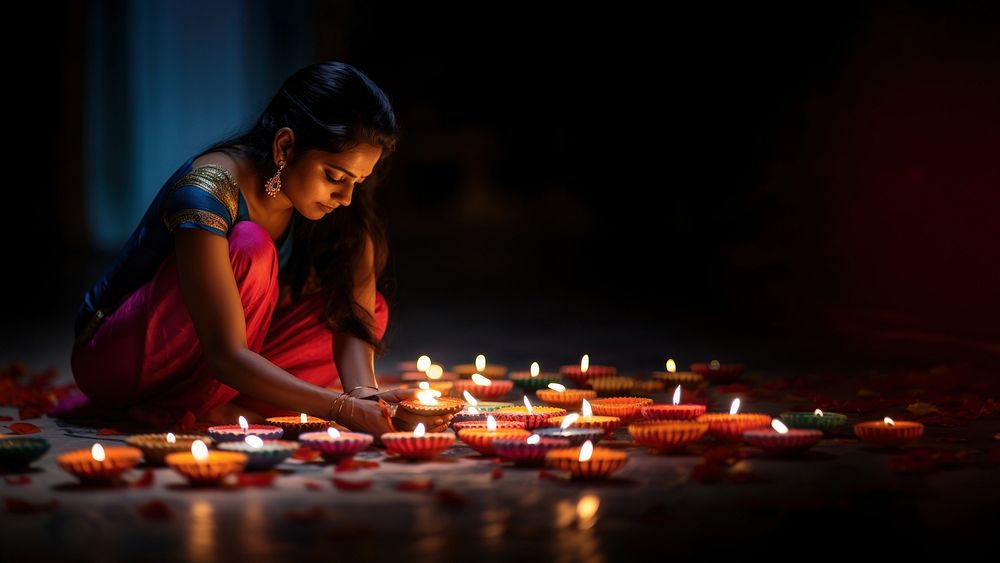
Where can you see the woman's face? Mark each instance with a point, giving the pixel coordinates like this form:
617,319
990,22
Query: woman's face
317,182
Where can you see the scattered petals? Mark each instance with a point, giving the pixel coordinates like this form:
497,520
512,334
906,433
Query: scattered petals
155,510
496,473
19,506
415,485
144,482
17,480
24,428
305,454
352,485
352,464
109,432
257,479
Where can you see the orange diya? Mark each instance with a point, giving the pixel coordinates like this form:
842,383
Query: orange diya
587,462
611,386
99,464
418,444
203,467
585,372
586,420
889,432
667,435
430,403
558,395
731,426
293,426
481,439
676,411
532,416
483,387
626,409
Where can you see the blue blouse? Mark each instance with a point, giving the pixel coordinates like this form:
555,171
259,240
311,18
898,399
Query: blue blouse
206,199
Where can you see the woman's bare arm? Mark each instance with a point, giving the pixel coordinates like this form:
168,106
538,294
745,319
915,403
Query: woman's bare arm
354,357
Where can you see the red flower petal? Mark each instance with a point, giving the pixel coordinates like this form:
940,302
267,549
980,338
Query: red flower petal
17,480
144,482
305,454
415,485
109,432
24,428
351,485
352,464
155,510
18,506
261,479
496,473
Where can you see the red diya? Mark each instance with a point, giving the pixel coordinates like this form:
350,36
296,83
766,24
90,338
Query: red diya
611,386
587,462
238,432
99,464
295,425
528,451
716,372
676,411
203,467
584,372
532,416
780,439
667,435
482,387
335,445
889,432
672,377
504,424
570,399
481,439
418,444
626,409
732,426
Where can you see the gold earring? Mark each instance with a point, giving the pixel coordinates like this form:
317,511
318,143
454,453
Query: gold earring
273,184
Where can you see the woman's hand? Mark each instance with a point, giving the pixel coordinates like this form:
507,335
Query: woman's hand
365,415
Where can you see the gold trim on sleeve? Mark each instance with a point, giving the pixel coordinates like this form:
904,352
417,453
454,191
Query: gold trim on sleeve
199,216
217,182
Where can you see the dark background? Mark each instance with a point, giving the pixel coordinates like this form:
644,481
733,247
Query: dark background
784,185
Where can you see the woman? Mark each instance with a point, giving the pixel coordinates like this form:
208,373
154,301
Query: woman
249,285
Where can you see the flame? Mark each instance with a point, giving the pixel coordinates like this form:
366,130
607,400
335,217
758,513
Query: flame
779,426
714,364
818,413
419,430
558,387
199,450
735,407
333,432
586,410
424,385
428,397
586,509
478,379
586,451
534,439
469,398
303,418
254,441
480,362
423,362
671,365
243,424
434,372
568,420
889,421
171,439
97,452
585,363
473,410
534,369
527,405
677,395
491,423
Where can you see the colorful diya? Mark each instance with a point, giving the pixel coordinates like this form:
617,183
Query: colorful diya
730,427
505,424
716,372
202,467
646,387
335,445
155,447
587,420
418,444
676,411
491,371
528,451
575,436
99,464
261,454
557,395
587,462
532,416
667,435
238,432
828,422
626,409
780,439
585,372
481,439
295,425
477,410
534,378
17,452
611,386
686,379
428,404
889,432
482,387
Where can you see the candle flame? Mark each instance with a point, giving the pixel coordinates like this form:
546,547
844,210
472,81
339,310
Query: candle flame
671,365
534,369
97,452
889,421
423,385
491,423
818,412
423,362
527,405
779,426
419,430
677,395
243,423
171,439
480,362
478,379
586,451
586,410
558,387
585,363
199,450
333,432
568,420
434,372
428,397
735,407
303,418
254,441
534,439
473,410
469,398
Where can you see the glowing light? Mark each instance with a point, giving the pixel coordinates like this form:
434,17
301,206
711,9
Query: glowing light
779,426
480,362
479,379
534,369
424,385
199,450
97,452
171,439
677,395
585,363
469,398
818,412
586,451
558,387
889,421
735,407
243,424
434,372
333,432
419,430
671,365
568,420
586,410
586,510
534,439
423,362
254,441
527,405
303,418
491,423
427,397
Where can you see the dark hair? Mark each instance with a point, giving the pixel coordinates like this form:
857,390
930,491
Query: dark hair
330,106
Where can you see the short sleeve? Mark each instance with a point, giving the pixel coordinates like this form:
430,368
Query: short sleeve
206,198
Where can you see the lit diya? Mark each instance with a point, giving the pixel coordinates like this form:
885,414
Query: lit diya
477,410
584,372
434,373
782,439
532,416
155,447
418,444
558,395
534,378
492,371
687,379
828,422
483,387
443,386
203,467
626,409
505,424
528,451
889,432
716,372
587,462
667,435
99,465
481,439
575,436
732,426
587,420
261,454
295,425
335,445
421,365
611,386
17,452
430,403
676,411
237,432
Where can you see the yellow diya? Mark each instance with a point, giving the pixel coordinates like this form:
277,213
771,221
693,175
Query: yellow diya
611,386
586,420
587,462
428,404
559,396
